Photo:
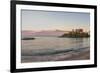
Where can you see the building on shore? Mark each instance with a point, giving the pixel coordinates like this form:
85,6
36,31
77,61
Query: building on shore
76,33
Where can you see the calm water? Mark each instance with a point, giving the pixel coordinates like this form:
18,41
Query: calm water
52,45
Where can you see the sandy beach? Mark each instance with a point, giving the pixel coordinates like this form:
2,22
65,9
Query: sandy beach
73,55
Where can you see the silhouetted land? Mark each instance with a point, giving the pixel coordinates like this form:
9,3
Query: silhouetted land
28,38
78,33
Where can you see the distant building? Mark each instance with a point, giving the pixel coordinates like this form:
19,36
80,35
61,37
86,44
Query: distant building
79,30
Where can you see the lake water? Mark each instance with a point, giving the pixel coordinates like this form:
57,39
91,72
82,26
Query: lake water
43,47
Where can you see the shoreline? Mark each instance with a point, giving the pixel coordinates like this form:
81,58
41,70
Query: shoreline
79,55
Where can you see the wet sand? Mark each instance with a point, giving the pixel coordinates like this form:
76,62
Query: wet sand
72,55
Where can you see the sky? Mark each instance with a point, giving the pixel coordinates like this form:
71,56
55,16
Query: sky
37,20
